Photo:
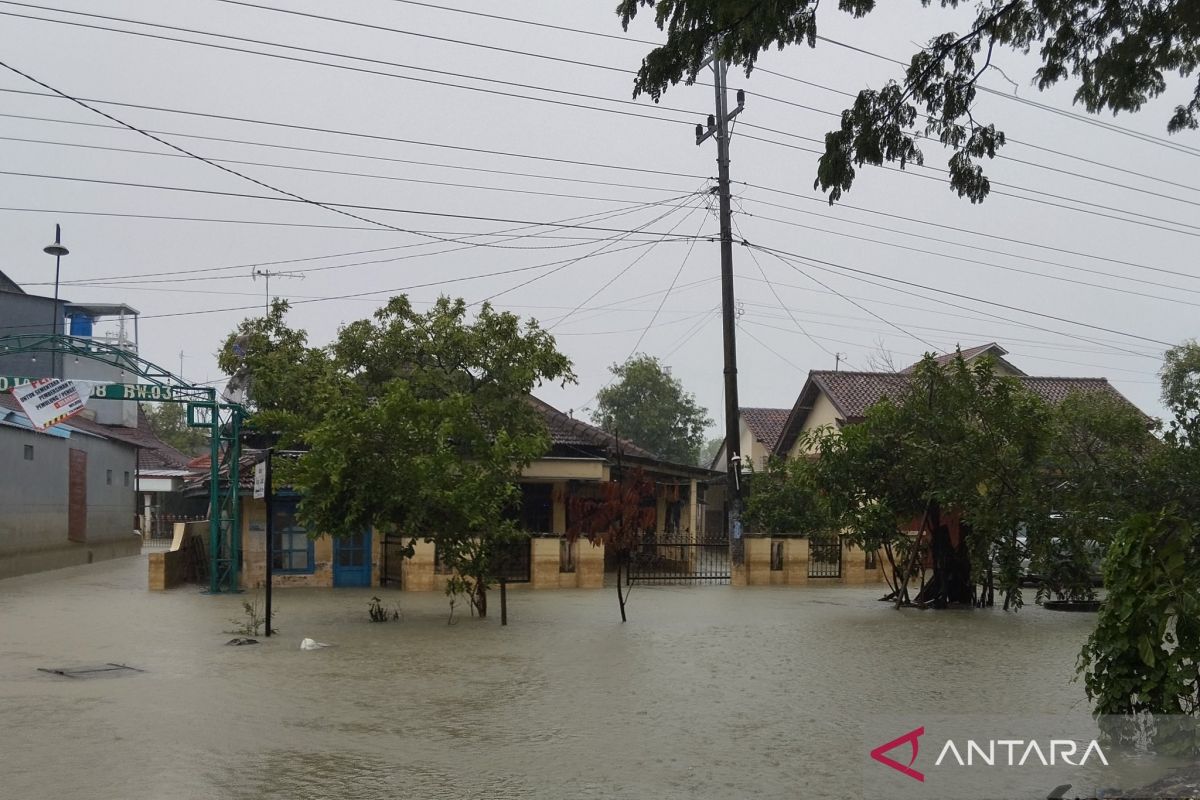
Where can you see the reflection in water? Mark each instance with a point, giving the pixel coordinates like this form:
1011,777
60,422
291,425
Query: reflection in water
709,692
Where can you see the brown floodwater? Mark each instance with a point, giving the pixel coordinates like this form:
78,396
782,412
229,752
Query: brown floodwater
708,691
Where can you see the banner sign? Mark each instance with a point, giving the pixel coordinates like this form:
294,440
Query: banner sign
49,401
102,391
260,480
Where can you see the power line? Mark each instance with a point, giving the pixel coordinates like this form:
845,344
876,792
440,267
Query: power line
496,81
988,264
355,134
997,192
950,242
997,237
373,176
666,294
819,263
363,70
323,204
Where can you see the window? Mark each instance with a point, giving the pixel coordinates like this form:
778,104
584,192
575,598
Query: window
871,560
126,478
566,555
108,476
776,555
29,452
293,548
537,507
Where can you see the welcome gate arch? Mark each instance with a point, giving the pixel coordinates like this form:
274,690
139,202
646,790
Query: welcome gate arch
154,384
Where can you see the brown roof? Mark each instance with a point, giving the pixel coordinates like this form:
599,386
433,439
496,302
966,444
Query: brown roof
571,432
991,349
766,424
852,393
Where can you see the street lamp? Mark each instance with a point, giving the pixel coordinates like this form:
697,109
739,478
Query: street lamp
57,250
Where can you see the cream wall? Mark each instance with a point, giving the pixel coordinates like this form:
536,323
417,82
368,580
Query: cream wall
822,414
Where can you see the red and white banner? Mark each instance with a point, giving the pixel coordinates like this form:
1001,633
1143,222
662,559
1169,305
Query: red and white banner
49,401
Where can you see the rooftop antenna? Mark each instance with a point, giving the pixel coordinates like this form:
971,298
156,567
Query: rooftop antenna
267,274
837,361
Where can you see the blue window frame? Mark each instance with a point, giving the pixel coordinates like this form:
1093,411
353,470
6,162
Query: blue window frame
292,545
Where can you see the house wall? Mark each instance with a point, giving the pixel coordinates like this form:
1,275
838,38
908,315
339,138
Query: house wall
34,502
757,569
418,575
823,414
748,446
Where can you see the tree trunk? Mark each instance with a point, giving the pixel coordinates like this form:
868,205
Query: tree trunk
479,598
951,580
621,597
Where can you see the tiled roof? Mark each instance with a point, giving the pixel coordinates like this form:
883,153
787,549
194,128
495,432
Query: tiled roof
765,423
852,393
571,432
991,348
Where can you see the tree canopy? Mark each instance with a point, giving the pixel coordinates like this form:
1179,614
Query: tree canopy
1120,56
411,423
648,406
987,471
169,423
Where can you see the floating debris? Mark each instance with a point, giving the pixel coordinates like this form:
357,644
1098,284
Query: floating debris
312,644
91,672
241,641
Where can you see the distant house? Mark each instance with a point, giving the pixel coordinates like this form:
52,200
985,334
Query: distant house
580,458
760,429
835,399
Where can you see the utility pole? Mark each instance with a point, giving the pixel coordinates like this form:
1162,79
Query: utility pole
257,273
718,129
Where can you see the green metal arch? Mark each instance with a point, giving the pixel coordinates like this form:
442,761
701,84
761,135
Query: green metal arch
224,421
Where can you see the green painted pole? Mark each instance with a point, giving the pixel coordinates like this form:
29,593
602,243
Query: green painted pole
214,501
235,496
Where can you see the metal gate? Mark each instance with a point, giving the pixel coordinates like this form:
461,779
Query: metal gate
391,560
825,557
679,558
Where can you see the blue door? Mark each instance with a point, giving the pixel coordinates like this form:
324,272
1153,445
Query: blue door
352,560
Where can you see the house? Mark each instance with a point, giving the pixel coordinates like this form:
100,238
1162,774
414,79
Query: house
580,458
835,399
760,429
68,493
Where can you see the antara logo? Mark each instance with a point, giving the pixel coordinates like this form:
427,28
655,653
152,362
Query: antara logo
911,738
990,752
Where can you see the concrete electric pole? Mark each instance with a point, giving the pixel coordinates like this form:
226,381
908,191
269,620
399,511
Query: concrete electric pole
718,129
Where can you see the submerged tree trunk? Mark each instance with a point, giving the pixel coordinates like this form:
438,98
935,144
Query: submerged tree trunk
479,598
620,597
951,580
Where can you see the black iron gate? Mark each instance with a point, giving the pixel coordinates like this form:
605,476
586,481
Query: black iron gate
825,557
680,558
390,570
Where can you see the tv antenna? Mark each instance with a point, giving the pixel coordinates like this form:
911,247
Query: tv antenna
266,275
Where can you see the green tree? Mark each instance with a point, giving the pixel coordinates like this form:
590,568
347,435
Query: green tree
413,424
169,423
648,406
964,448
1119,56
1180,377
709,451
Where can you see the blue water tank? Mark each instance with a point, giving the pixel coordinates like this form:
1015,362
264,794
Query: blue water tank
81,325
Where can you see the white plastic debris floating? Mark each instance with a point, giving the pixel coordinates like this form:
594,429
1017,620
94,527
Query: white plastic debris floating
312,644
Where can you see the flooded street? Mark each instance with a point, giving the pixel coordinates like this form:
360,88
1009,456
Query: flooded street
708,692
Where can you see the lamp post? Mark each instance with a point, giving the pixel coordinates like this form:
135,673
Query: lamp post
57,250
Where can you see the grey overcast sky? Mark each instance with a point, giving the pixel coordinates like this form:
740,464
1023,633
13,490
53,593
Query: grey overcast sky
1110,209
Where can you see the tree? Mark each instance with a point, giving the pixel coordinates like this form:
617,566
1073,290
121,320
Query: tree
168,421
617,516
413,424
1120,56
709,451
1180,377
648,406
989,474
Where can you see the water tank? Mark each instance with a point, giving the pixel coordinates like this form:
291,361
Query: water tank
81,324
